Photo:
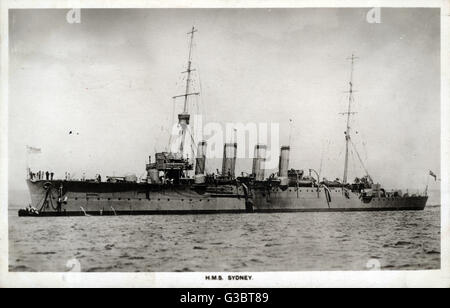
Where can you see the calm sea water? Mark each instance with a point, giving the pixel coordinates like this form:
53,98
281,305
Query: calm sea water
235,242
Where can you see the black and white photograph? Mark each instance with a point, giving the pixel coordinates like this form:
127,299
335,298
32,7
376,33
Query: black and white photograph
215,140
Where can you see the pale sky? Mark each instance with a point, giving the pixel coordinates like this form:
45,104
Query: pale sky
111,78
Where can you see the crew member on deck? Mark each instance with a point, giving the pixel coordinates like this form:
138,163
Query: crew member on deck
46,175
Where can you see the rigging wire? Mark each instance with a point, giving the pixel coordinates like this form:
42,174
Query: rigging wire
171,124
360,160
324,153
193,142
201,91
353,162
203,106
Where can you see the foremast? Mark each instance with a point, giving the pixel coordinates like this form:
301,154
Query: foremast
183,118
172,166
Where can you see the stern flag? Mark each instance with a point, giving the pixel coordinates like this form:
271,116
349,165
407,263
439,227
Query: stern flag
433,175
33,150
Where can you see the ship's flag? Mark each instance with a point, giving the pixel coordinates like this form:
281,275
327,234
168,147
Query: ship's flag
433,175
33,150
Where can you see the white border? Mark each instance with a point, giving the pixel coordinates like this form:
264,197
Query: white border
433,278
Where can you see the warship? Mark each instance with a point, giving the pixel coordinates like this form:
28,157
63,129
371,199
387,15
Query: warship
169,189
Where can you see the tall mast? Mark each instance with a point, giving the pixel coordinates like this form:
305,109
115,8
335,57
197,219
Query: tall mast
183,118
348,113
189,70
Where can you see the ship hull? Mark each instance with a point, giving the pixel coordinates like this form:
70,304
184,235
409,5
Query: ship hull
106,199
311,199
91,198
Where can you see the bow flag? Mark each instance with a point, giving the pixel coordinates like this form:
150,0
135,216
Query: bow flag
433,175
33,150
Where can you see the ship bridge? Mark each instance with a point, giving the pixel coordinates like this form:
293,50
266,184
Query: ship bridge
167,166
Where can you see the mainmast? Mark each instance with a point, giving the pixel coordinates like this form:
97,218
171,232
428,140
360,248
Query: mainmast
348,113
183,118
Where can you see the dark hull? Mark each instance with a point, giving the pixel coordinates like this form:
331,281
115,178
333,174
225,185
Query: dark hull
109,199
